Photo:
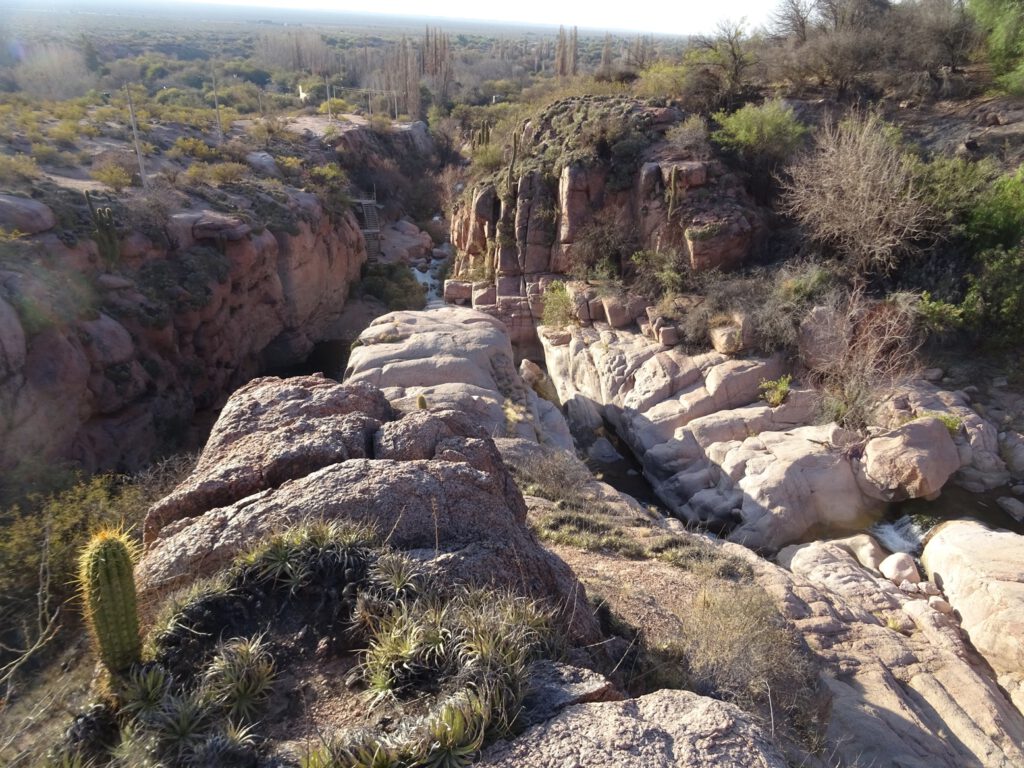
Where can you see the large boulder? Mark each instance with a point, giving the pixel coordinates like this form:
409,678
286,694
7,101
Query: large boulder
982,573
289,450
665,729
913,461
460,359
24,215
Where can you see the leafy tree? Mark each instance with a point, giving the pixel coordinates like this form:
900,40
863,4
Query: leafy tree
1003,24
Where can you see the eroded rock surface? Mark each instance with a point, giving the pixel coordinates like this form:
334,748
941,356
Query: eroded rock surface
104,376
460,359
982,573
660,730
289,450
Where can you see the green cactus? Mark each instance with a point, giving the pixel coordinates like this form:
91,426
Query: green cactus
670,191
108,591
421,402
105,233
512,165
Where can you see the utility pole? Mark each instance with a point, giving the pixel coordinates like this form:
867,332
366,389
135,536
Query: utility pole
327,90
135,137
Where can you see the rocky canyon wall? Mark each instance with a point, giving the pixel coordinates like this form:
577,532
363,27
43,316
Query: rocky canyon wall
102,363
568,181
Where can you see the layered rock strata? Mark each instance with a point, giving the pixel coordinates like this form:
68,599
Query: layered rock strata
521,230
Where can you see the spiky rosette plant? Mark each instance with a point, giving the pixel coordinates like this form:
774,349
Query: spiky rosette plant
108,592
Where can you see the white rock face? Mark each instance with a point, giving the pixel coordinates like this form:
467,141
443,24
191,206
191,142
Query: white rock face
913,461
714,452
904,689
899,567
982,573
977,440
460,359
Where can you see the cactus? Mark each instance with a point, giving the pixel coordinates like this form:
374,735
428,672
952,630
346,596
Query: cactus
108,590
512,165
670,192
421,402
105,233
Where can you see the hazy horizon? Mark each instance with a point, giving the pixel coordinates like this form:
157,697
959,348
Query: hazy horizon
525,14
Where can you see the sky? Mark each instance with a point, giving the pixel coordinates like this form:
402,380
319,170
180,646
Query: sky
680,18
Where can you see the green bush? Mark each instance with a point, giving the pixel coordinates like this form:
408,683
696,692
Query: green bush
775,391
558,309
18,168
488,158
994,304
766,135
997,219
393,284
657,273
690,136
187,146
337,106
113,176
1003,26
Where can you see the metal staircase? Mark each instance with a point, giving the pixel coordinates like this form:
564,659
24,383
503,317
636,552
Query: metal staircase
371,227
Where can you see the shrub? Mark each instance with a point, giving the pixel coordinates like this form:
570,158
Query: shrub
775,391
657,273
113,176
394,285
994,304
488,158
187,146
857,192
997,218
601,249
380,124
738,648
228,173
765,135
558,310
18,168
47,154
662,81
337,106
871,349
690,136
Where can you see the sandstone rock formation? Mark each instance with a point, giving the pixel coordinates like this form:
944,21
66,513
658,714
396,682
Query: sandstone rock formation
713,452
524,225
103,367
460,359
902,686
661,730
716,454
982,573
431,482
976,438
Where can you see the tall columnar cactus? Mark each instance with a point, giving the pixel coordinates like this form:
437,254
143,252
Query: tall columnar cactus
671,192
511,179
105,234
108,590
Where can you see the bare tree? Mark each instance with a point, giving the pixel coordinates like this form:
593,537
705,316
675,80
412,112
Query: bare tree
792,19
856,192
